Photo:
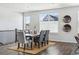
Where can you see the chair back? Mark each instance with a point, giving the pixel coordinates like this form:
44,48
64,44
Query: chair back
47,35
16,35
20,37
44,35
77,39
41,36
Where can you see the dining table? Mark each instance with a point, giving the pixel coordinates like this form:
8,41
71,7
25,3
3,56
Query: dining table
33,36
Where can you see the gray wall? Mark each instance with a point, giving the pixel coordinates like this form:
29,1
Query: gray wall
61,35
7,36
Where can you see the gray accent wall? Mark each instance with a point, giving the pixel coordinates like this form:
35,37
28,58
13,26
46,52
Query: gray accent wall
7,36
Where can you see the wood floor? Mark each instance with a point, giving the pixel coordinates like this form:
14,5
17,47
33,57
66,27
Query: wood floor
59,48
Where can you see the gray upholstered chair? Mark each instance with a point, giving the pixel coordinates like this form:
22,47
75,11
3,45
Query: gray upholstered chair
24,40
29,41
16,35
39,39
77,39
20,38
46,37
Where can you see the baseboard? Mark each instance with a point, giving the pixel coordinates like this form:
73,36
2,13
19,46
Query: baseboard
50,40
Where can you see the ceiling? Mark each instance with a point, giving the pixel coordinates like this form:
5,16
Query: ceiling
25,7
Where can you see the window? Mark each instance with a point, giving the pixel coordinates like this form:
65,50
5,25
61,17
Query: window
49,22
27,20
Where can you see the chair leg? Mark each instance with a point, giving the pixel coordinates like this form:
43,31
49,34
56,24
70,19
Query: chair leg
42,44
38,45
31,45
47,42
35,44
18,46
24,46
27,45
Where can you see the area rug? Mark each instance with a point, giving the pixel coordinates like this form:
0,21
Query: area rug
33,51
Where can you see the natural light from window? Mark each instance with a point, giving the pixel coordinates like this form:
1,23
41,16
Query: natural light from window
49,22
27,20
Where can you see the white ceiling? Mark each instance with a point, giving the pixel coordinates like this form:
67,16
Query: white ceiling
25,7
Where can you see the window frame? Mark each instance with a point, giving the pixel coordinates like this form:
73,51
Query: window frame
49,21
29,21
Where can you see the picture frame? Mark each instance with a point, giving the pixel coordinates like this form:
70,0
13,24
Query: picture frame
67,28
67,19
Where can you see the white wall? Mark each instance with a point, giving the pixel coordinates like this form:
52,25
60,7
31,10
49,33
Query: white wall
10,20
68,37
34,20
61,35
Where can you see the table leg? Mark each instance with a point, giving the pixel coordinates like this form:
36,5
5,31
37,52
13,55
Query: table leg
24,46
31,45
38,44
18,46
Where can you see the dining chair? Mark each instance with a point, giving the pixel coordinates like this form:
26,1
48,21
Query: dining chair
20,38
26,41
16,35
29,41
39,39
77,39
46,37
23,40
